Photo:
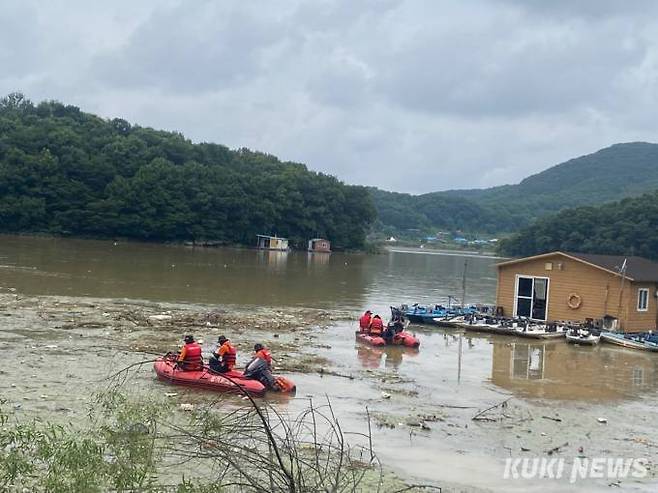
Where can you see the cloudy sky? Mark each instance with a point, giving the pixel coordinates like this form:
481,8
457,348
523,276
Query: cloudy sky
411,96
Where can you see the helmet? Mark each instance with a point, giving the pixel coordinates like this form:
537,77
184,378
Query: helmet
222,339
188,338
258,347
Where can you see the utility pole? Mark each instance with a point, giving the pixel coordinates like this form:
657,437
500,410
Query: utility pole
464,284
621,289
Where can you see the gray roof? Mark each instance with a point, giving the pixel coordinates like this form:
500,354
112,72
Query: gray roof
637,268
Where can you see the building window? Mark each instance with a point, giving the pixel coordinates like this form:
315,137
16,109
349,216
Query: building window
531,297
642,300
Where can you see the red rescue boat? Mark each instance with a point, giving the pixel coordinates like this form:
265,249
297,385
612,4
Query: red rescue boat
233,381
400,339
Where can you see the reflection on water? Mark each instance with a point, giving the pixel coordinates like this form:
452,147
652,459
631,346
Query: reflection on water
273,261
110,269
317,258
369,357
390,357
562,371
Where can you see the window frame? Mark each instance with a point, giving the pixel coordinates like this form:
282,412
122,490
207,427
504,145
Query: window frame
641,291
531,298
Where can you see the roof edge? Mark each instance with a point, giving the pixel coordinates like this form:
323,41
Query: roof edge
557,252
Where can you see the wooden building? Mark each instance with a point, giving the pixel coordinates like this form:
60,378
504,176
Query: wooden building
575,286
266,242
319,245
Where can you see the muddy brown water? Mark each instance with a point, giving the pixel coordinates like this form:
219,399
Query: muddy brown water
421,403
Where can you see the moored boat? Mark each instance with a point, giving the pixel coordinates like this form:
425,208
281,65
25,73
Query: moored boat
540,330
232,382
583,336
512,326
645,341
487,326
435,314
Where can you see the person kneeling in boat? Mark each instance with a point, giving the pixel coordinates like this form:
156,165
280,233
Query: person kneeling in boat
260,367
223,359
364,321
190,357
376,326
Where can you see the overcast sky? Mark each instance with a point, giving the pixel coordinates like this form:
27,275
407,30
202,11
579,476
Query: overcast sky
411,96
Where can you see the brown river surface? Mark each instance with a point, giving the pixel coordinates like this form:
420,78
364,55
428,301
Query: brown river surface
69,307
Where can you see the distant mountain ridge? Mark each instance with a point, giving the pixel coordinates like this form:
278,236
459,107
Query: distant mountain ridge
616,172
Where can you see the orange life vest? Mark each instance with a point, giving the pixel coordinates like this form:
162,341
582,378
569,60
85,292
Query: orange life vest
265,355
364,322
376,327
228,353
191,357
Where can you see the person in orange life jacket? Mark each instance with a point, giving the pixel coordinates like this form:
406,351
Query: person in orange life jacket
223,359
263,353
376,326
364,321
260,367
190,357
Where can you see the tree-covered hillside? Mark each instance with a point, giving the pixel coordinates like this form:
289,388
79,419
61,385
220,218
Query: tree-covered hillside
627,227
619,171
400,212
63,171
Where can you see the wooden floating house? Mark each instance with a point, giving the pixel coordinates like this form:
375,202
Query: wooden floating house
319,245
620,291
266,242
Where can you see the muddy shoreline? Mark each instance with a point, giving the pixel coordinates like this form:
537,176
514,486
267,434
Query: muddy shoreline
58,350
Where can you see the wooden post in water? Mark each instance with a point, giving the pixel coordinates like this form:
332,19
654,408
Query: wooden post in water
621,289
464,285
459,357
459,360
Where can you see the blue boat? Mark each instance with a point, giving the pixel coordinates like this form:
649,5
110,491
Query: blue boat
434,314
645,341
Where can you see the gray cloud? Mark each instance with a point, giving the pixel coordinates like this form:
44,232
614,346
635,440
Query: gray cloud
412,95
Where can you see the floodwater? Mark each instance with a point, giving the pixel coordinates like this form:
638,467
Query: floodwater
421,402
51,266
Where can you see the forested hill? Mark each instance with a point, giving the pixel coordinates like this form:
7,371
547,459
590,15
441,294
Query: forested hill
627,227
63,171
622,170
401,212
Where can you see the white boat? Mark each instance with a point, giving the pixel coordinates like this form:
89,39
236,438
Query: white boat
489,325
644,342
541,331
583,336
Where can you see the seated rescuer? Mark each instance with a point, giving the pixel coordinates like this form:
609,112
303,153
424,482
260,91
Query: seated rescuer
263,353
190,357
364,321
223,359
260,367
376,326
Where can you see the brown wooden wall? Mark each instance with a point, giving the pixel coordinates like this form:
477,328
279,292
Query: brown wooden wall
598,289
639,321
